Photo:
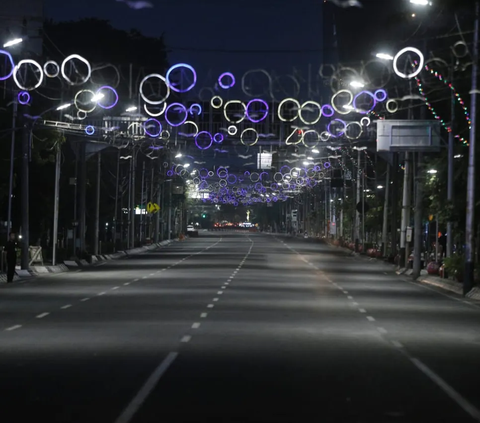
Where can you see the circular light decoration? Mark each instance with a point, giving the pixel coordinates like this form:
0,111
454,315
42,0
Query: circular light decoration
257,100
26,62
23,97
106,87
226,75
218,138
154,102
327,107
252,143
189,122
194,106
327,165
222,173
155,114
89,130
208,144
365,121
177,66
420,66
75,101
184,110
389,107
165,135
338,134
284,101
81,114
85,61
349,103
380,95
316,119
353,136
244,113
356,98
148,123
232,130
55,66
216,102
10,59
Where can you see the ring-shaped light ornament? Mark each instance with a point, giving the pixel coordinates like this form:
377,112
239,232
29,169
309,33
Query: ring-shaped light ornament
243,134
286,100
75,100
363,112
23,98
87,63
232,130
165,135
313,103
106,87
380,95
81,114
207,147
225,75
12,64
190,122
153,102
216,105
26,62
365,121
222,173
89,130
309,131
192,108
231,120
349,103
389,108
55,73
184,111
151,134
350,124
218,138
257,100
420,65
339,134
181,65
155,114
331,110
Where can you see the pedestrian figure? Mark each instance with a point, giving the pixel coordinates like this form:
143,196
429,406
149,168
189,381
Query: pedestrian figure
11,249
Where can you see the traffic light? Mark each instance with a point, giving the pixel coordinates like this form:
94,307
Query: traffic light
204,215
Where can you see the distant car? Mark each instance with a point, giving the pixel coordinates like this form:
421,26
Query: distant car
190,228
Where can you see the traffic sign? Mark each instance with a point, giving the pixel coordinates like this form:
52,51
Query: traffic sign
153,208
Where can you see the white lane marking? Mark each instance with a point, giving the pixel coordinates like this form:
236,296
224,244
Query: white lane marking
235,271
224,287
227,283
115,287
345,292
350,297
101,293
215,299
397,344
144,277
135,280
66,306
220,292
385,273
210,306
362,310
13,327
152,274
146,389
85,299
195,325
186,338
382,330
203,315
127,283
372,319
355,304
462,402
42,315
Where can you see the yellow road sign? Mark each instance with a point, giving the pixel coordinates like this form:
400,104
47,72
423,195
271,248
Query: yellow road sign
153,208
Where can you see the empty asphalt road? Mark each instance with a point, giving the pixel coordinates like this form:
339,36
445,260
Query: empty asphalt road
233,327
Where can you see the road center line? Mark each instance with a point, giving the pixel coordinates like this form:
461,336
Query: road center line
186,338
84,299
210,306
203,315
362,310
195,325
101,293
146,389
42,315
14,327
127,283
115,287
66,306
370,318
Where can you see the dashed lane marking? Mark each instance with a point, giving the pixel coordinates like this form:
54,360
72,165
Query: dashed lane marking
42,315
135,280
370,318
203,315
210,306
13,328
186,338
362,310
350,297
84,299
397,344
195,325
219,292
127,283
215,299
115,287
101,293
382,330
66,306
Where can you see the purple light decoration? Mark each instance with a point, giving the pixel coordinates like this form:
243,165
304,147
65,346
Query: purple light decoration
222,169
89,130
106,87
383,93
246,173
211,140
224,75
340,133
326,107
181,65
195,105
230,180
327,165
250,103
218,138
184,111
151,134
23,98
355,102
9,57
317,168
285,166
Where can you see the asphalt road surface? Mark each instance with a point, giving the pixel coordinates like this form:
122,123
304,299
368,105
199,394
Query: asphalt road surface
232,327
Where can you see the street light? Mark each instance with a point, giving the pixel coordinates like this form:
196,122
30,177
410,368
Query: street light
432,171
178,155
64,106
380,187
357,84
421,2
186,165
12,42
97,97
131,109
384,56
315,151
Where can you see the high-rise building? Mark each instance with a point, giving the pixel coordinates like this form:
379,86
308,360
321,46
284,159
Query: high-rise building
22,19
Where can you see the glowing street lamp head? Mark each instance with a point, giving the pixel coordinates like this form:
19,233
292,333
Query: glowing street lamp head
357,84
97,97
384,56
64,106
12,42
131,109
421,2
432,171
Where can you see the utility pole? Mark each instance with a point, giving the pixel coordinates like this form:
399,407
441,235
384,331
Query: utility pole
385,213
97,205
82,180
12,164
357,213
394,196
150,221
363,211
26,134
405,212
142,202
451,140
170,211
129,203
132,211
115,213
469,230
58,160
417,245
159,202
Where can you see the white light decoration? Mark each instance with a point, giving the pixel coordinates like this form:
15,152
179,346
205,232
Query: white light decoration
12,42
189,122
154,102
365,121
249,144
315,104
389,107
313,144
155,114
216,102
420,65
87,63
75,101
286,100
234,102
55,65
295,132
26,62
354,137
384,56
349,103
232,130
